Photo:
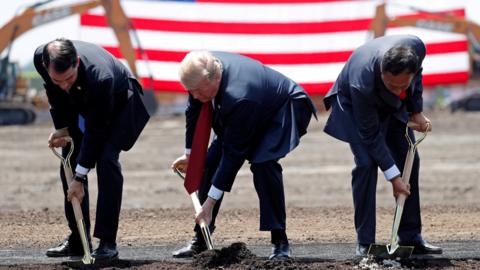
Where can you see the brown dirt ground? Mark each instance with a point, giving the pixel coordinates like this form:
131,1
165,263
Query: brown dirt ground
156,209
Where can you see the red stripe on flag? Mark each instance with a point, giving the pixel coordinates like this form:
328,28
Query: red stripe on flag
271,1
175,86
317,88
446,78
447,47
235,28
269,59
293,58
322,88
244,28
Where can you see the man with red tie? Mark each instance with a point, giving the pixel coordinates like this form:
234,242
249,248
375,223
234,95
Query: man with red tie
259,115
378,91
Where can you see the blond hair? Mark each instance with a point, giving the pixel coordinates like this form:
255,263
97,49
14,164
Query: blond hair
197,66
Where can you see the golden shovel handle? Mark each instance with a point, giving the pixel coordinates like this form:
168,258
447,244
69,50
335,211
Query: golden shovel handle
196,204
77,209
407,169
66,160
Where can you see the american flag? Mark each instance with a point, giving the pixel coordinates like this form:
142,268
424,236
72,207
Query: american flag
307,40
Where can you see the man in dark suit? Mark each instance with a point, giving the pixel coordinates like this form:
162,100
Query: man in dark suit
378,91
87,85
259,116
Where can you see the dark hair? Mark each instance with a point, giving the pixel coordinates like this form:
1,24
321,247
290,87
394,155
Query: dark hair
400,59
61,54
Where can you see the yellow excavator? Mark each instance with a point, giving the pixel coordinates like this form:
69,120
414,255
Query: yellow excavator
440,21
13,108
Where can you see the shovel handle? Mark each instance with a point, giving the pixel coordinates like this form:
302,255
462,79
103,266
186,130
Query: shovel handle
203,225
65,160
415,125
198,207
77,209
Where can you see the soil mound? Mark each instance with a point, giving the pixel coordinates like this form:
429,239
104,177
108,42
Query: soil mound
238,256
233,254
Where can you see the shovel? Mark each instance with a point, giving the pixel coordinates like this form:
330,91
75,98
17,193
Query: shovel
393,249
196,204
77,210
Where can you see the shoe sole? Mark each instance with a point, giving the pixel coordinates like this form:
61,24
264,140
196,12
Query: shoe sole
427,252
54,255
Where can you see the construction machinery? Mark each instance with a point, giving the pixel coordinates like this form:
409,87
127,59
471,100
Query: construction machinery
440,21
13,106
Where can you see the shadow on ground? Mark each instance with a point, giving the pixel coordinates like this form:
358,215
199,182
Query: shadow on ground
238,256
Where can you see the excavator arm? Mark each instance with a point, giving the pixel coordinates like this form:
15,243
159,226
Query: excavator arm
38,14
13,112
429,20
121,25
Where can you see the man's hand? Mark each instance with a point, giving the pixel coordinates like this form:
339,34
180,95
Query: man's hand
58,138
206,213
421,122
399,187
181,163
75,190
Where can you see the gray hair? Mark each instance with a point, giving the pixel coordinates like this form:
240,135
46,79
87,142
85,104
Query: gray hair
197,66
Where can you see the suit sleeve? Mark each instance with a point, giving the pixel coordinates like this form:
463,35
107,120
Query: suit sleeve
415,100
366,117
238,136
97,121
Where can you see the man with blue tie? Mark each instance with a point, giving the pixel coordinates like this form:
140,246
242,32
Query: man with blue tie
84,81
378,91
259,115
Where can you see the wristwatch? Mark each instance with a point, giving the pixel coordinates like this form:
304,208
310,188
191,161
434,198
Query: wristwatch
80,178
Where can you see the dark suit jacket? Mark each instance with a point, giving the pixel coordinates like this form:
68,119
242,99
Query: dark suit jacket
253,115
101,95
360,102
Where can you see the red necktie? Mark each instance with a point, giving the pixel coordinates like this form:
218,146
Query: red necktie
196,163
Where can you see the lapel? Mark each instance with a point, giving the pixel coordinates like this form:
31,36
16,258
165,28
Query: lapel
217,122
78,92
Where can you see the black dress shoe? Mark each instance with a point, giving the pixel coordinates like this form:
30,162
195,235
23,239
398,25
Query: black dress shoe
106,251
361,250
422,247
65,249
195,246
280,250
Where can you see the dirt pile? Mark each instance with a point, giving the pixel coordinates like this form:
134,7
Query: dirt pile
238,256
233,254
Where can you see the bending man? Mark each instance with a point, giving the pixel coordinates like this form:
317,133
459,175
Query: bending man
259,115
95,100
378,91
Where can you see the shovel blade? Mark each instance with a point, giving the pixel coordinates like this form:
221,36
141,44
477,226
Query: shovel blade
381,251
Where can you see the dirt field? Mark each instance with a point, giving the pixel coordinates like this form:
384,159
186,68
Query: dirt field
156,209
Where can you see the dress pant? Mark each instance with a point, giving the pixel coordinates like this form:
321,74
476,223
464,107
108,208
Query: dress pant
72,224
110,186
364,185
267,178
